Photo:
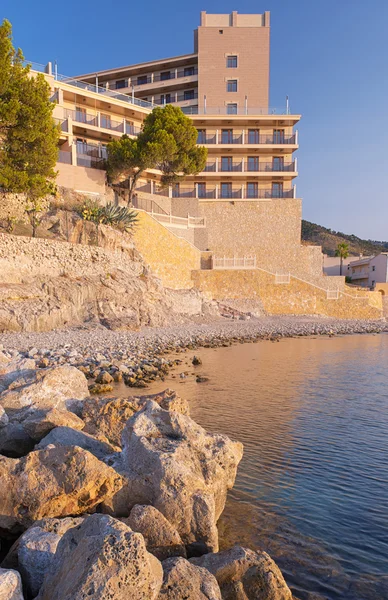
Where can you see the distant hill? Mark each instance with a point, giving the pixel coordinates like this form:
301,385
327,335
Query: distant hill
329,239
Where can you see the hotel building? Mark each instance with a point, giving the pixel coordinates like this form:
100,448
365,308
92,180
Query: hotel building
246,194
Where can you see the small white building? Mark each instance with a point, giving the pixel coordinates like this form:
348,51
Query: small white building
332,265
369,271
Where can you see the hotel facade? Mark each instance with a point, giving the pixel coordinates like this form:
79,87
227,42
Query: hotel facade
244,204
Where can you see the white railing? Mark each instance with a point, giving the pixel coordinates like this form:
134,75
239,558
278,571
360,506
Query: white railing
282,278
179,221
332,294
235,262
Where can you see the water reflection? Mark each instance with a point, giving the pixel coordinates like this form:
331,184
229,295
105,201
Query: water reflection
312,486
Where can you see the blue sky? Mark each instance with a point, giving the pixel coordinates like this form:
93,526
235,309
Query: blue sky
329,56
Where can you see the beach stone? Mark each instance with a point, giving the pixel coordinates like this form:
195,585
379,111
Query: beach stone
171,462
169,400
10,585
181,579
196,361
100,388
39,423
3,418
58,481
66,436
244,574
106,560
161,538
59,387
104,377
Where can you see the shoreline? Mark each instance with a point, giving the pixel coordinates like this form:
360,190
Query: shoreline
144,356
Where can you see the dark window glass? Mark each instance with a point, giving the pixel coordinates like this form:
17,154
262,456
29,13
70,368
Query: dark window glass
121,83
201,190
188,95
165,75
231,62
253,136
226,190
252,189
226,163
232,85
253,163
231,109
188,71
142,80
277,190
226,136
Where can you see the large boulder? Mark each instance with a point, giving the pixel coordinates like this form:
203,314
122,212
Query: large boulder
105,418
49,525
181,580
59,387
35,553
243,574
58,481
39,423
66,436
104,559
11,370
161,538
10,585
174,464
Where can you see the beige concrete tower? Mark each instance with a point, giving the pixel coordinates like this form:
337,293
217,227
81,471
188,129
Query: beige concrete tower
233,62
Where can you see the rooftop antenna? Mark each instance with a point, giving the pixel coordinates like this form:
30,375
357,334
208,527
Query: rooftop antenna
287,105
55,70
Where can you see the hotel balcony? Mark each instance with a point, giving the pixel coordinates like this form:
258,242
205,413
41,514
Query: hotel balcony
100,121
254,167
247,138
168,80
218,192
186,96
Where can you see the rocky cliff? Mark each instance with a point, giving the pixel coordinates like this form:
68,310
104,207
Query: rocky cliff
53,283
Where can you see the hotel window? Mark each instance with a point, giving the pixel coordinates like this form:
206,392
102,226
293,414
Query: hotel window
253,136
231,85
226,163
188,95
226,190
142,80
165,75
165,98
201,190
188,71
278,163
252,189
226,136
120,84
277,190
231,62
253,163
373,268
278,136
231,109
201,136
175,190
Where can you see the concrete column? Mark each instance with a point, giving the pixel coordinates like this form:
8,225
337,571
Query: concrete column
176,73
203,18
243,136
196,189
152,77
217,164
73,154
49,68
243,164
124,125
294,190
170,191
217,136
152,186
295,164
217,190
242,190
296,137
234,18
98,119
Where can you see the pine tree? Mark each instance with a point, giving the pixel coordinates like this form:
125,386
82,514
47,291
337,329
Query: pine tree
167,143
28,133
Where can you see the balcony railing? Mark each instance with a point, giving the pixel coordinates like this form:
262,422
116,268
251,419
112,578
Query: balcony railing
245,167
167,76
84,160
230,194
81,117
207,139
240,110
246,138
102,121
231,166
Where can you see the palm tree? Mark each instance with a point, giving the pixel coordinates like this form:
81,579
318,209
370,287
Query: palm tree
343,252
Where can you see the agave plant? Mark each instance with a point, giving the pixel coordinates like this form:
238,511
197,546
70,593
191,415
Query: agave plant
118,216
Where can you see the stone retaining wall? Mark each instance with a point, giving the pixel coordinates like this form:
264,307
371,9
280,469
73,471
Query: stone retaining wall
170,257
296,298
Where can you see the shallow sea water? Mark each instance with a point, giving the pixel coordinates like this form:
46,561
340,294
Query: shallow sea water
312,488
